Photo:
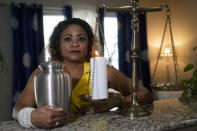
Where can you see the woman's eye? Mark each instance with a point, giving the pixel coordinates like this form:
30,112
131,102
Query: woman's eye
81,38
67,39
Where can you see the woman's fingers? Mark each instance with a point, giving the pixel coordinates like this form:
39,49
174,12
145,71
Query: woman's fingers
60,116
55,108
49,117
60,123
61,119
59,113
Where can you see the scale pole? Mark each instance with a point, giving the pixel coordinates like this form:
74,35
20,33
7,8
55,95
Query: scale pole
134,48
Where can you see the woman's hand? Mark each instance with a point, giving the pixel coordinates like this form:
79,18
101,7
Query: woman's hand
114,100
122,102
102,106
49,117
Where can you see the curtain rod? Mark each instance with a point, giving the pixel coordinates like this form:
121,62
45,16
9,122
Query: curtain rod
53,8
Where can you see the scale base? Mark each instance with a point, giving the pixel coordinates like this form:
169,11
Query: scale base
136,111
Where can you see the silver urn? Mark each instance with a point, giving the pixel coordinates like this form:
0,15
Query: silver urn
52,86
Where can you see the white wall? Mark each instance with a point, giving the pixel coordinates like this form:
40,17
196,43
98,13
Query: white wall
6,75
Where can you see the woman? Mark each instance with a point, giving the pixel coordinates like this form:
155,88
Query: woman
72,44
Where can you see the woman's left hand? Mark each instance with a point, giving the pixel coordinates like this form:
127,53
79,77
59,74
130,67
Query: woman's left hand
99,106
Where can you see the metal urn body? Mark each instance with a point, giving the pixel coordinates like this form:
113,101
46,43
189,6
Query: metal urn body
52,86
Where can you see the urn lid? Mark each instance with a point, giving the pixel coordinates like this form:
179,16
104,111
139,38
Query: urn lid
51,65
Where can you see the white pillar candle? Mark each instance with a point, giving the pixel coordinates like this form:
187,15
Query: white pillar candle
98,67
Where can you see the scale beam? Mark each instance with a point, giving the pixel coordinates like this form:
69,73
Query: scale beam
139,9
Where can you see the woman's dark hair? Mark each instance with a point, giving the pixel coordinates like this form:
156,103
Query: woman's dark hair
54,40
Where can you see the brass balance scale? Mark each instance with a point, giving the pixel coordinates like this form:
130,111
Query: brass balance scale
136,110
168,86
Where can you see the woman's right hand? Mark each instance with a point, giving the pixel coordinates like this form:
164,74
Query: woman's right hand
49,117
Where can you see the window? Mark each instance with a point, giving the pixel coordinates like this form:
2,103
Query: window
50,19
111,38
